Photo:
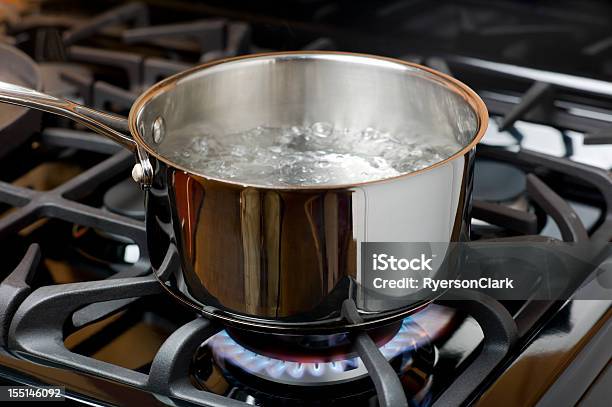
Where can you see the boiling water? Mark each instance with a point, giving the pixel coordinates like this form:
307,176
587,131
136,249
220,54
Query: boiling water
318,154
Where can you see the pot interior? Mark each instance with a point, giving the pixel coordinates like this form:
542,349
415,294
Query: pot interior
280,91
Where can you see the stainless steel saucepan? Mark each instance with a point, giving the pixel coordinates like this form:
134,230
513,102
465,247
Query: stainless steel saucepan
278,258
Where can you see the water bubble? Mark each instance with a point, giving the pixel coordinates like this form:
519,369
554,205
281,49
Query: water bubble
256,132
275,149
378,162
288,134
239,151
320,179
310,154
370,133
322,129
199,145
296,130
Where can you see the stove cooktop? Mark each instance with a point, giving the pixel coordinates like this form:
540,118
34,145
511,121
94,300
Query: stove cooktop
79,305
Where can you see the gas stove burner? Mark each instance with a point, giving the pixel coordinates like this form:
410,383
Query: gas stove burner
125,199
409,343
497,182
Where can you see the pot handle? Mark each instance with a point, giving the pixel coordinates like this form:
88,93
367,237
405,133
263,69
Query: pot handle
107,124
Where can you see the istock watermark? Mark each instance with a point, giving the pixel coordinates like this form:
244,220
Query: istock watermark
383,261
512,270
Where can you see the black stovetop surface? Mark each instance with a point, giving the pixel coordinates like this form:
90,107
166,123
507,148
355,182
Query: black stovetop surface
79,306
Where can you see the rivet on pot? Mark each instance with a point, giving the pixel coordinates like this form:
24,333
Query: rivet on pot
137,173
159,130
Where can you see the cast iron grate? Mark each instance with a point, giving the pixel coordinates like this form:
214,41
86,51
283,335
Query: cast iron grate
27,330
35,336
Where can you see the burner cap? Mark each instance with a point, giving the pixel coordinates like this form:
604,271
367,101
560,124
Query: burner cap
125,199
497,182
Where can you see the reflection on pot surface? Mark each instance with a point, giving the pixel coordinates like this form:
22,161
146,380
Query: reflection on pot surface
294,255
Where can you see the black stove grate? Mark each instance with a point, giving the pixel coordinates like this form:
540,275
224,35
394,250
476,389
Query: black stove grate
35,336
25,326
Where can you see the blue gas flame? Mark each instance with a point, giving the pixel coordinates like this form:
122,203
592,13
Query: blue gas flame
226,350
